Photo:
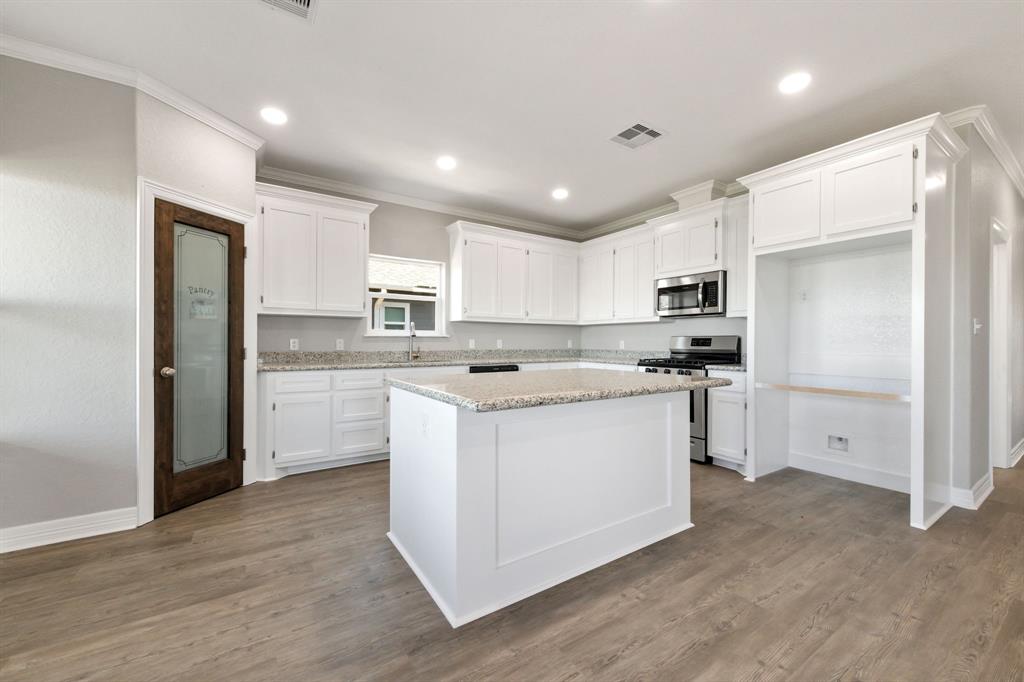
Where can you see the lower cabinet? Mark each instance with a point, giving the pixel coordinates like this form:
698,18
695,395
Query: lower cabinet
727,418
302,428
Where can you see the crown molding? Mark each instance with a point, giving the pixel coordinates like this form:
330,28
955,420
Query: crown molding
56,58
629,221
328,185
699,194
984,122
264,189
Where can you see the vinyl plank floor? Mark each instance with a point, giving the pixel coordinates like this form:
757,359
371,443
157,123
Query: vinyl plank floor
795,577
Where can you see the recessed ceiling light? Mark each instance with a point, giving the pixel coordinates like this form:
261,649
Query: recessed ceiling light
794,82
560,193
446,162
274,116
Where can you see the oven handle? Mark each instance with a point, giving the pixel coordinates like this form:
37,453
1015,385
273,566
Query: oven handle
700,294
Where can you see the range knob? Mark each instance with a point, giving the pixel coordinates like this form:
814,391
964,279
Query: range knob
683,371
668,371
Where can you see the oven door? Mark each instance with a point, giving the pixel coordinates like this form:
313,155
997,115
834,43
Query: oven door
702,294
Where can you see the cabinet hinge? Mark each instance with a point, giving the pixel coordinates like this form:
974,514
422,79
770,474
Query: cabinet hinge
261,299
245,353
243,454
387,440
527,252
387,399
273,407
915,152
273,454
915,207
465,242
527,313
245,252
263,209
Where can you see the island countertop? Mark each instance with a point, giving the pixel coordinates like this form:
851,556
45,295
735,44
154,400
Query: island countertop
489,392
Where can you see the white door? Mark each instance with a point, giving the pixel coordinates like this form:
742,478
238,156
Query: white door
870,190
728,424
480,276
511,280
341,263
289,256
701,246
302,427
624,282
540,283
668,245
596,290
788,210
565,284
645,277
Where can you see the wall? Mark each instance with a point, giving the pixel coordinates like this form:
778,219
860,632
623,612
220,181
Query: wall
409,233
655,335
67,272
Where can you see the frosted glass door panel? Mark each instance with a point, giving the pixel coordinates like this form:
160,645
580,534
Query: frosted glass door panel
200,347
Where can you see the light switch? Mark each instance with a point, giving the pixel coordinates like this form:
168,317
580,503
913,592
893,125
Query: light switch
977,326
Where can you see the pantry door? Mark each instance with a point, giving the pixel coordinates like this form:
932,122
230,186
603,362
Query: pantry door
197,356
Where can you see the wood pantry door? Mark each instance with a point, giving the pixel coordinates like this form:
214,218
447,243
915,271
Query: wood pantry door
197,356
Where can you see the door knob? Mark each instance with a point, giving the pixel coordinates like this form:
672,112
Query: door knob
168,372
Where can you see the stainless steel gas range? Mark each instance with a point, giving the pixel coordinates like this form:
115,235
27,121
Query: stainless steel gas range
690,355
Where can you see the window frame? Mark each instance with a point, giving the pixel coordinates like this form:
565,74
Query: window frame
440,308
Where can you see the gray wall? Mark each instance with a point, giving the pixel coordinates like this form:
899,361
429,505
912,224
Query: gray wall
67,356
655,335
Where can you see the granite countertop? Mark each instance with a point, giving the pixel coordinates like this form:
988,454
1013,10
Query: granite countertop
727,368
334,360
514,390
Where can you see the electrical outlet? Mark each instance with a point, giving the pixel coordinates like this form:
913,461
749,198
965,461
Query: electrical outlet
622,345
498,344
838,443
339,344
569,344
472,344
293,344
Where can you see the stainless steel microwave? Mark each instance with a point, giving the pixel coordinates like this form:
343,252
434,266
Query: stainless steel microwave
702,294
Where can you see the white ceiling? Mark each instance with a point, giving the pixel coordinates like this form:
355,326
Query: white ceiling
526,94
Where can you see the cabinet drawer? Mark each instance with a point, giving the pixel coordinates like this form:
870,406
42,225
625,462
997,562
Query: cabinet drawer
738,379
358,379
302,382
358,405
355,438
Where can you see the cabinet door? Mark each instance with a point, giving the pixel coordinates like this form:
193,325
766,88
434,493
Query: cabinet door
668,245
624,282
351,406
341,263
734,236
540,284
788,210
728,424
700,237
566,285
596,291
358,438
480,276
511,280
870,190
302,427
289,256
645,277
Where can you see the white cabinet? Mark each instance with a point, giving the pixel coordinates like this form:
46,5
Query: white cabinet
503,276
624,284
874,189
735,235
597,290
312,253
788,210
617,278
302,427
727,418
689,241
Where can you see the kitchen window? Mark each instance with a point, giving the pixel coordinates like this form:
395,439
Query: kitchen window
404,290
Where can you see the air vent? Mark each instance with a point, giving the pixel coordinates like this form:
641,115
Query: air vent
637,135
305,9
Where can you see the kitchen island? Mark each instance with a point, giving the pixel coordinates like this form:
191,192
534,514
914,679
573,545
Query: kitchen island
503,485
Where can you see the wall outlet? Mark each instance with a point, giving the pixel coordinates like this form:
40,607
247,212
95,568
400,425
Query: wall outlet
339,344
293,344
622,345
838,443
497,344
569,344
472,344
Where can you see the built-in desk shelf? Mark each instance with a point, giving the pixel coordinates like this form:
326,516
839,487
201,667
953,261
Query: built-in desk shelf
840,392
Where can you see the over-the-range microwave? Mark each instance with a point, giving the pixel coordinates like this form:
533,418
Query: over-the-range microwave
702,294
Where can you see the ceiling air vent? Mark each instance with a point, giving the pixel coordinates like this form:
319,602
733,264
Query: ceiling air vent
305,9
637,135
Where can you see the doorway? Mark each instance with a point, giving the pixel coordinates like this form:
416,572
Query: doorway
198,356
999,348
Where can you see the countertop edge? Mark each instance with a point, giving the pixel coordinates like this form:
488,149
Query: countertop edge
429,363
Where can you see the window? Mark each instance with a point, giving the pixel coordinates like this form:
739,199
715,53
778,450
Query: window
404,290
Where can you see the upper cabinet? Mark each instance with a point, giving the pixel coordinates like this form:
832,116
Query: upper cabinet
504,276
858,193
735,237
313,253
689,241
617,278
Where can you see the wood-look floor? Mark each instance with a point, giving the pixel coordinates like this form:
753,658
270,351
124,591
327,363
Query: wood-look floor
796,577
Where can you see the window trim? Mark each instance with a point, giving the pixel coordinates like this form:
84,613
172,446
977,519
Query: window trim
440,301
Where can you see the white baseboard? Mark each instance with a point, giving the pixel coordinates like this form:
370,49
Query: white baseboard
849,471
973,498
1016,454
70,528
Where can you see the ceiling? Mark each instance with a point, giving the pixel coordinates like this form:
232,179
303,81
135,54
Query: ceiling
527,94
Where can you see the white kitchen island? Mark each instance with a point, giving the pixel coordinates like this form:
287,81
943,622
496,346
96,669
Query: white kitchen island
503,485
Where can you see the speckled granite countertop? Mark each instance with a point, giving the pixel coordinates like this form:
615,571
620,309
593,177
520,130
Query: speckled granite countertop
727,368
332,360
515,390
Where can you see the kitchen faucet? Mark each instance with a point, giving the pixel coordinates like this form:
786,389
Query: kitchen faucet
412,337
